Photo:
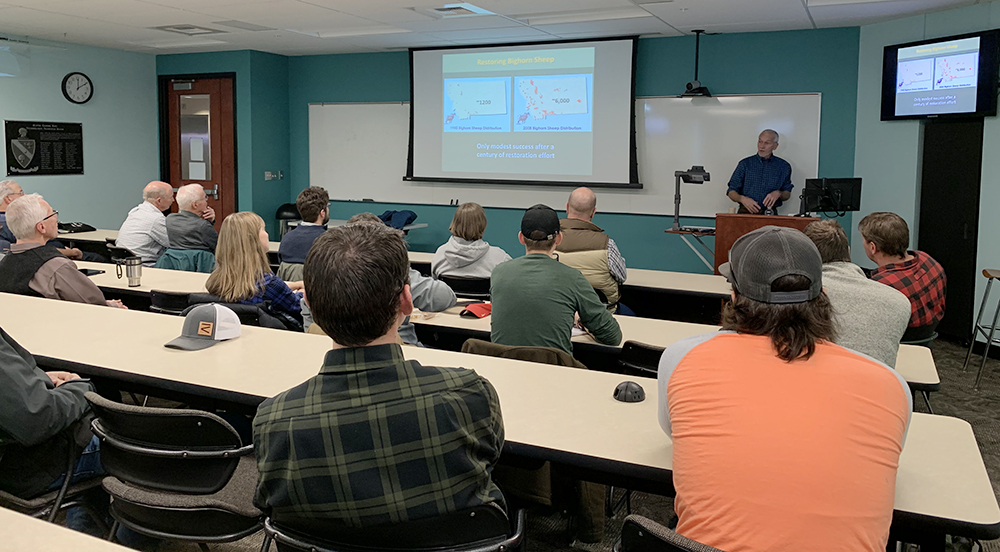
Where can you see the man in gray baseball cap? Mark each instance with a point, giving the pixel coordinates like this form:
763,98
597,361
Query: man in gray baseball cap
772,399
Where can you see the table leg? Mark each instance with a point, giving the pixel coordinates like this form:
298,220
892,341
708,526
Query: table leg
698,253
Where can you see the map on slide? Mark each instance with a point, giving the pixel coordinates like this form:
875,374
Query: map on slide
553,103
915,76
478,97
958,71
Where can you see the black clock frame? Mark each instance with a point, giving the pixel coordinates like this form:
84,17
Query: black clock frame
63,87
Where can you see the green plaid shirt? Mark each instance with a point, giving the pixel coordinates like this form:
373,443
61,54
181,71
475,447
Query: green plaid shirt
376,439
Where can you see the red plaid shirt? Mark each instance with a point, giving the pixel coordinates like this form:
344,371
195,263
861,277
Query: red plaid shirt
923,282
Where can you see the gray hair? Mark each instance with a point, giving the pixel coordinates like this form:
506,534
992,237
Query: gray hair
773,133
6,188
187,195
23,214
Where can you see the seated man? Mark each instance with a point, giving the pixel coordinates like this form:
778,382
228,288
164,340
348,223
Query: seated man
9,191
144,231
313,204
535,297
587,248
781,439
429,295
915,273
191,226
869,317
34,267
37,407
320,452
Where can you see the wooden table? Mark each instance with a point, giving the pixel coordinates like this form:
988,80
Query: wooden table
19,532
941,487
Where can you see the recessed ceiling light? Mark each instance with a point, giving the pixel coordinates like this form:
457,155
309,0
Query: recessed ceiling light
243,25
188,30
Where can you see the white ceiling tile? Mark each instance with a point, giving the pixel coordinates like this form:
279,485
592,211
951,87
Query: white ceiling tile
523,33
614,27
687,15
287,14
236,6
874,12
131,12
527,7
460,24
414,40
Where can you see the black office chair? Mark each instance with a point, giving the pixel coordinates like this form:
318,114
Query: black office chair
250,315
640,360
469,288
480,529
168,302
640,534
175,473
68,495
118,253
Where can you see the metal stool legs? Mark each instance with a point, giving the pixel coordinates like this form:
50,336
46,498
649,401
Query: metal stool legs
979,328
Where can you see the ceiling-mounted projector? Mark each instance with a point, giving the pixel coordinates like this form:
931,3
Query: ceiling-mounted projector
695,89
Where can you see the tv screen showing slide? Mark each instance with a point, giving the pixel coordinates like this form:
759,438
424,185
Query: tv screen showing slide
551,113
954,76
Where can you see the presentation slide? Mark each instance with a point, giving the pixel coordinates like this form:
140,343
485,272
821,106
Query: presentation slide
937,78
537,113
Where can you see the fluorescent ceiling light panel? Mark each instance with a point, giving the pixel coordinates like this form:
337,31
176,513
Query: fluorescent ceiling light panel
188,30
812,3
179,43
243,25
463,9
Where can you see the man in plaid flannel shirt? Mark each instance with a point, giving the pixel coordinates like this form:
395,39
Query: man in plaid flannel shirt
373,439
915,273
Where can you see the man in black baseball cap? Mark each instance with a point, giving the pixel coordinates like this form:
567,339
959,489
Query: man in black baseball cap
535,297
772,399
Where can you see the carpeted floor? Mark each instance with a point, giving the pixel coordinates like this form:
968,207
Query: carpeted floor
549,532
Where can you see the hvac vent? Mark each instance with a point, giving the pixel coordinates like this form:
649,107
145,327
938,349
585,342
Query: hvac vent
456,10
188,30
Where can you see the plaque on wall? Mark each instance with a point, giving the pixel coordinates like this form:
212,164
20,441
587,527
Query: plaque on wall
35,147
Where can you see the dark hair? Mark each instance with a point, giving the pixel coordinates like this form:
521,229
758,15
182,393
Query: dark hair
353,276
366,218
888,231
830,239
539,245
793,328
469,222
311,201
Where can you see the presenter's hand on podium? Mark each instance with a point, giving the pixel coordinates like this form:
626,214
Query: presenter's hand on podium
772,198
751,205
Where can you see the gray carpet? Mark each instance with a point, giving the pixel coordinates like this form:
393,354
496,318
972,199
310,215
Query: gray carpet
549,532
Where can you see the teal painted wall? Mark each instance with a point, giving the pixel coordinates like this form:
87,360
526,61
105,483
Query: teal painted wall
261,121
822,61
888,156
119,148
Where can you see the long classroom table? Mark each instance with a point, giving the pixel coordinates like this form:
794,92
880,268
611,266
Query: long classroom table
941,487
19,532
650,293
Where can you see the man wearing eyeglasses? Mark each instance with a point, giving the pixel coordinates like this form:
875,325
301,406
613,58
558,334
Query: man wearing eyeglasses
37,268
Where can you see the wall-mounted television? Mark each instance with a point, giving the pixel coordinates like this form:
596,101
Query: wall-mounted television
950,77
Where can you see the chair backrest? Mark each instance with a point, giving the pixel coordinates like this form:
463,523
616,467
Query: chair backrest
177,450
482,528
470,288
640,534
290,272
168,302
542,355
189,260
250,315
639,359
118,253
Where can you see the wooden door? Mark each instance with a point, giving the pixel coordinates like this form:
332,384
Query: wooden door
200,130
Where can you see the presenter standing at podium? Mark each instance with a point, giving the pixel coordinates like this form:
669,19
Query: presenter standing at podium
762,181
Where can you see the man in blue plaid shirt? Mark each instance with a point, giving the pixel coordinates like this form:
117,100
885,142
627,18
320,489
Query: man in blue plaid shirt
761,182
373,439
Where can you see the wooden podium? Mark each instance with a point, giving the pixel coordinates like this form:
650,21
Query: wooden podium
729,227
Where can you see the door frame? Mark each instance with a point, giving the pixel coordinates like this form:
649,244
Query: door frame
162,84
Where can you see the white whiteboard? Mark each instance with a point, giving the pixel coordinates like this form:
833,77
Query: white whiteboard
358,151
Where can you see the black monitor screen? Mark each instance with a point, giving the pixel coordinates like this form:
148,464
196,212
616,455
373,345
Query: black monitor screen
832,194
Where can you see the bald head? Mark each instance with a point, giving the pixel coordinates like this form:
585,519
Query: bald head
160,194
582,204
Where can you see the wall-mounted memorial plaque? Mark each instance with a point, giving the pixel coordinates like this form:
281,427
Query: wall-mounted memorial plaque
35,147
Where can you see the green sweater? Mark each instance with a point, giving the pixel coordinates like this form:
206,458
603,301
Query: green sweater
534,300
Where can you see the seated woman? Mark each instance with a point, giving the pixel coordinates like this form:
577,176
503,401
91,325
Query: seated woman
243,275
466,255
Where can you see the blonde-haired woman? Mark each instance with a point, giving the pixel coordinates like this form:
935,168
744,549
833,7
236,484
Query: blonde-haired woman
466,254
242,273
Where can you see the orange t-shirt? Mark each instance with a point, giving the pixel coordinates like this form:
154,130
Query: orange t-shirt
772,456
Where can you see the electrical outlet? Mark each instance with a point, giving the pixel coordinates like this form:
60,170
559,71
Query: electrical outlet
270,175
